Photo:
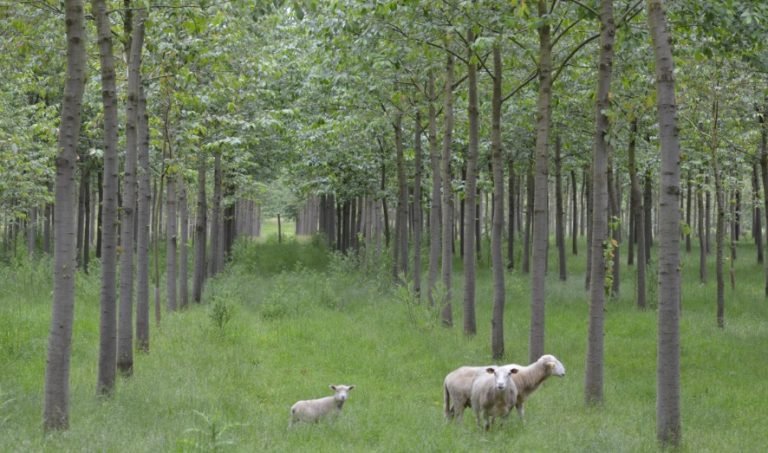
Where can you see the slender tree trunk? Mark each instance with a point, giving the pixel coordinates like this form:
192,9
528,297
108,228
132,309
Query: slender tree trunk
648,208
171,246
702,236
143,233
200,232
217,249
526,260
511,216
559,213
497,163
183,246
668,425
689,202
87,224
447,237
757,225
764,170
639,222
401,215
470,196
720,223
614,226
108,323
128,219
435,211
588,221
540,224
593,388
417,209
575,218
56,404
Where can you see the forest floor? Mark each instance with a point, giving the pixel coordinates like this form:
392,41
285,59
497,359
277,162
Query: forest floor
285,321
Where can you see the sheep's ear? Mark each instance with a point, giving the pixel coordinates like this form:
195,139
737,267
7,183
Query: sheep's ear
490,370
332,387
513,371
351,387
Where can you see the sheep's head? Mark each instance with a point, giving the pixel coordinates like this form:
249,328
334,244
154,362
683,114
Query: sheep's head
501,375
553,366
341,392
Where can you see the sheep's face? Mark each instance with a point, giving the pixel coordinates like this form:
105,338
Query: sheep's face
341,392
553,365
501,375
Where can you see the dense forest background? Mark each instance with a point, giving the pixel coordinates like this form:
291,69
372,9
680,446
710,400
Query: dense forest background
448,158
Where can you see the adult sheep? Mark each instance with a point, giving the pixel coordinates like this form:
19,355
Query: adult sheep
529,378
313,410
457,385
493,394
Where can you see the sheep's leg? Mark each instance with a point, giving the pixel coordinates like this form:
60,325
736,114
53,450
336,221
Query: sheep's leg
520,410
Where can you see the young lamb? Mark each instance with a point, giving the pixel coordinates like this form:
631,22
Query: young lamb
493,394
528,378
313,410
457,389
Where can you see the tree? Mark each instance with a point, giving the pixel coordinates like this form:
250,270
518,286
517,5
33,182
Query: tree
107,325
497,261
668,425
540,203
446,176
470,193
593,383
56,405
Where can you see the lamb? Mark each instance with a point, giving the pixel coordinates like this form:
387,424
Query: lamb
529,378
313,410
457,388
493,394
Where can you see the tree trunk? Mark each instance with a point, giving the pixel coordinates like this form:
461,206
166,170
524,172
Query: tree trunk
648,208
497,261
447,237
107,326
639,222
200,232
764,169
688,203
575,218
540,223
720,222
470,196
668,426
56,404
171,257
217,249
593,383
143,233
526,260
702,237
588,221
511,215
128,218
559,213
435,212
400,270
614,227
417,209
183,245
757,225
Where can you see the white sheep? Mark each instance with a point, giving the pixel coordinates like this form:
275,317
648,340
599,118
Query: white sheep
313,410
493,394
457,389
529,378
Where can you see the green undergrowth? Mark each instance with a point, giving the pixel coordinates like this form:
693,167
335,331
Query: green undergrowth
222,376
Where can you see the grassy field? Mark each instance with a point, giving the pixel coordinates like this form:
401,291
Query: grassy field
285,321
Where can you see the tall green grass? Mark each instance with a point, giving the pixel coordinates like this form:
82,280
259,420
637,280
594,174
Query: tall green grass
294,328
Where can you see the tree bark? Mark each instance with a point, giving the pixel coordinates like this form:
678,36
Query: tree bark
757,225
200,232
497,228
56,403
639,219
400,270
511,215
183,245
128,217
470,196
217,250
447,237
526,259
435,211
417,209
108,322
575,218
668,425
702,237
143,233
720,222
540,223
593,383
559,213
